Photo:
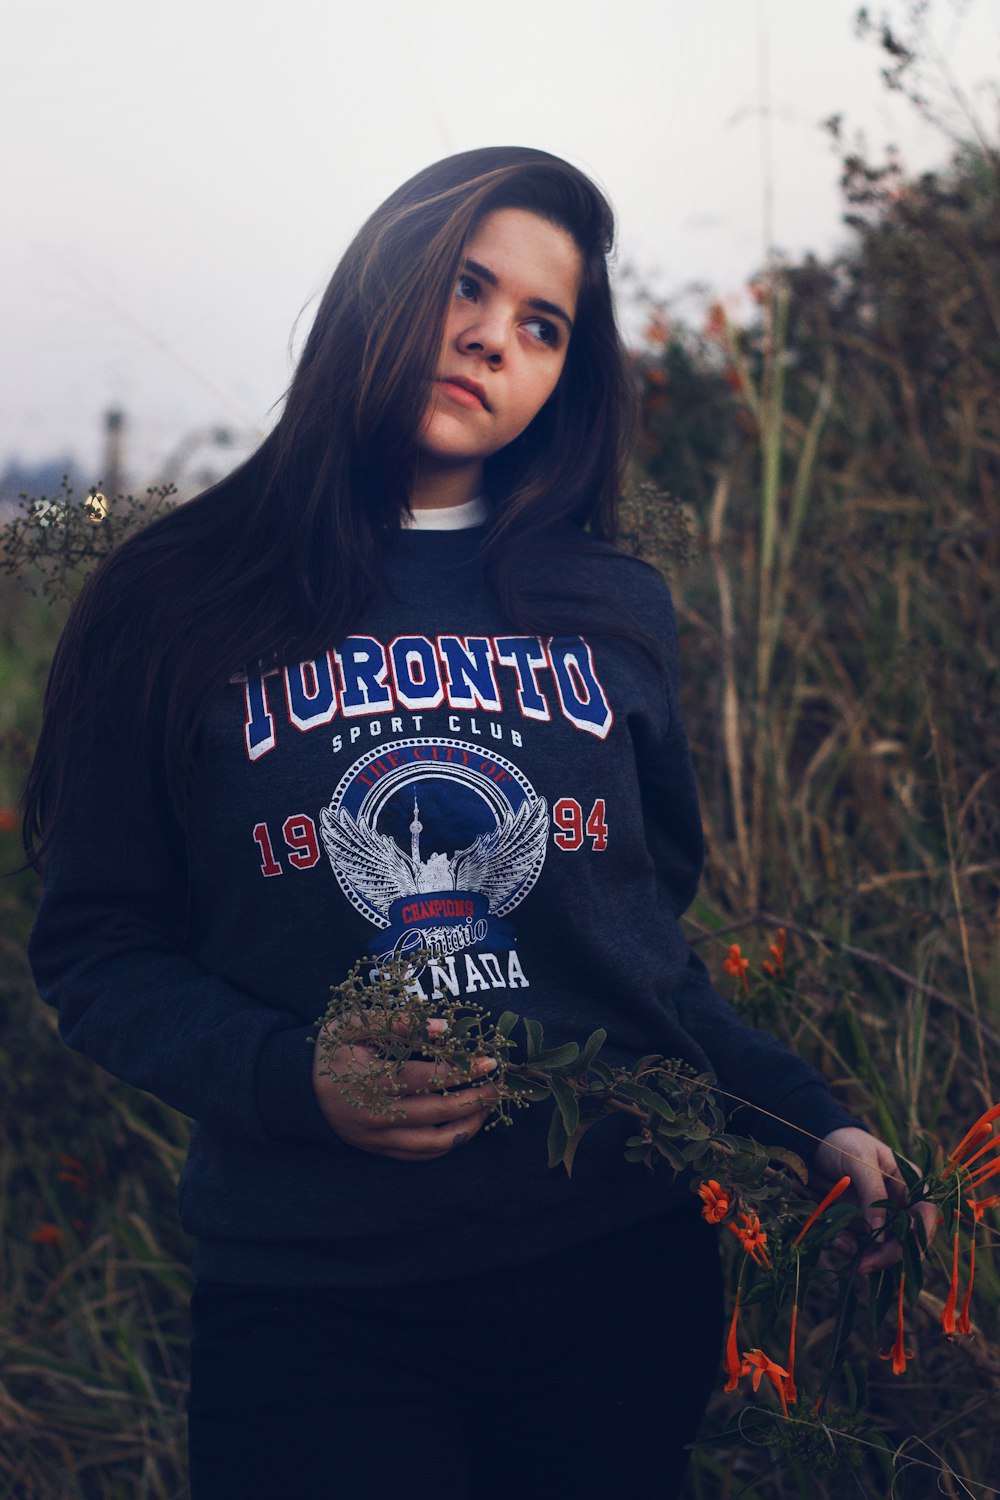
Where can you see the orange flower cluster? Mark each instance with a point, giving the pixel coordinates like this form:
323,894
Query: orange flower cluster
776,963
756,1363
657,329
978,1141
976,1158
716,1201
752,1238
737,965
981,1135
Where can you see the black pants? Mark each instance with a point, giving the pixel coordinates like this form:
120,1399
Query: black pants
579,1375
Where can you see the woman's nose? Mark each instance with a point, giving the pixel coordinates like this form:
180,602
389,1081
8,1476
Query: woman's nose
486,338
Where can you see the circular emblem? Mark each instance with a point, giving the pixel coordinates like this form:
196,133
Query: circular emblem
436,839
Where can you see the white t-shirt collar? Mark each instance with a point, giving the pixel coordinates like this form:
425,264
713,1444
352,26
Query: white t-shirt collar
448,517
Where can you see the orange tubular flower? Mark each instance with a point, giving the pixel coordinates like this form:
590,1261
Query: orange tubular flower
737,965
74,1172
898,1354
963,1325
752,1238
989,1142
821,1208
732,1358
948,1315
716,1201
47,1234
790,1392
973,1136
987,1169
777,952
755,1361
978,1131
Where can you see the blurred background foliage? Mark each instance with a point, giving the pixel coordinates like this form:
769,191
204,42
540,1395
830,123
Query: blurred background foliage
820,482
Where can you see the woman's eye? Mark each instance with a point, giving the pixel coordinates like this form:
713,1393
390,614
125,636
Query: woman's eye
466,288
545,332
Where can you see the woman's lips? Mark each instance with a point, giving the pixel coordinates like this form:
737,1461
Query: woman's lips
462,394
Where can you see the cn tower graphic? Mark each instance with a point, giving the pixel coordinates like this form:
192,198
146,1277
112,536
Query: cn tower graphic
473,851
416,829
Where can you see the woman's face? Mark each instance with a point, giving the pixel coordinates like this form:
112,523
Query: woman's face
505,339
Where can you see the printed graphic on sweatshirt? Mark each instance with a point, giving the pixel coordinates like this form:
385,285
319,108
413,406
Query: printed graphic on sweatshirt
366,680
435,841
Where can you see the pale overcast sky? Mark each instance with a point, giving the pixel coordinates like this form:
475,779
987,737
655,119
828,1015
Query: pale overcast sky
179,179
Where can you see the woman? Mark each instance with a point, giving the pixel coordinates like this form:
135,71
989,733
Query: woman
389,686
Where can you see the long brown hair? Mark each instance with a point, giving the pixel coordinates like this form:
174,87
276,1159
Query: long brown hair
279,559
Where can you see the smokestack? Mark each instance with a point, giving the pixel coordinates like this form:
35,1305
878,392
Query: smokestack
114,460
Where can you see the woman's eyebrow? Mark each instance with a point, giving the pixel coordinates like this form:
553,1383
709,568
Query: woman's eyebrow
539,303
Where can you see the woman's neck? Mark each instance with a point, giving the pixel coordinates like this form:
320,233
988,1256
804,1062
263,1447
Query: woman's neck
437,486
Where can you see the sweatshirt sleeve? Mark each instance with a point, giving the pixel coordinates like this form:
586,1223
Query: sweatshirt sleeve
748,1062
759,1069
106,952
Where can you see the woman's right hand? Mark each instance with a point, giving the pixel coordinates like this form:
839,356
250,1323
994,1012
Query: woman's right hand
434,1123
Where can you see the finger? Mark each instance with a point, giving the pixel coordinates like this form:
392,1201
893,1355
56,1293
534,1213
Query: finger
359,1023
436,1025
879,1260
881,1255
868,1188
442,1109
896,1188
414,1076
427,1142
351,1031
929,1217
879,1179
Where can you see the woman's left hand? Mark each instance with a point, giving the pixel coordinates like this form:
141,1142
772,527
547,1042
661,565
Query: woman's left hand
851,1152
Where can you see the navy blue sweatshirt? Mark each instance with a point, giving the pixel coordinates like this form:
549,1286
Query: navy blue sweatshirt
524,808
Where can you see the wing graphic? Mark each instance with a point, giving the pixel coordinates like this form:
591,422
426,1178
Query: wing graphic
498,863
373,863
